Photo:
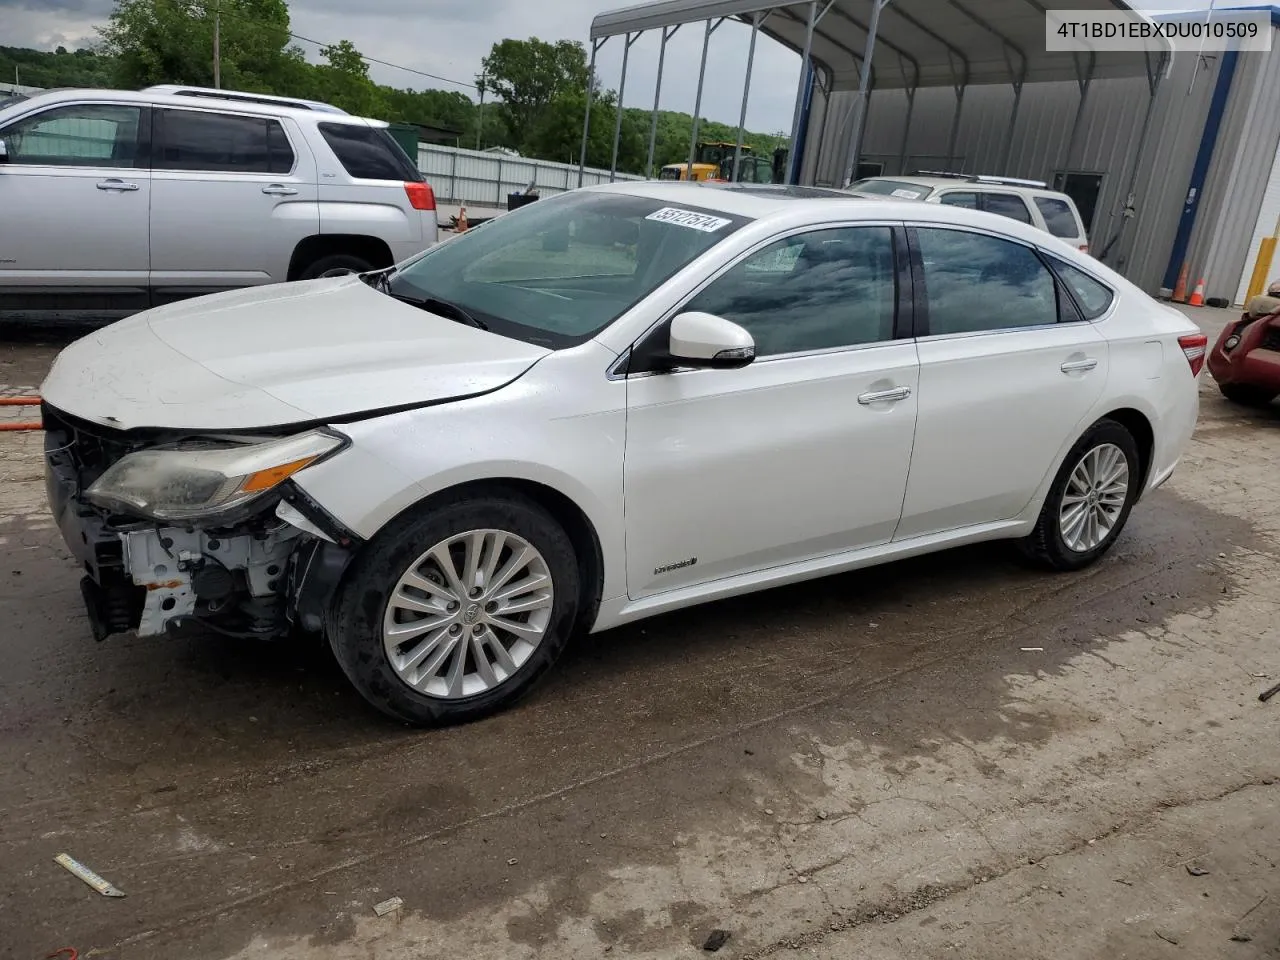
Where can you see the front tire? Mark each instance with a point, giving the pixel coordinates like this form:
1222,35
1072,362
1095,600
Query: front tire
455,613
1089,501
1246,394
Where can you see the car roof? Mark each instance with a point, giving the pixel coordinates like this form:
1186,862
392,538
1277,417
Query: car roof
156,98
962,183
806,206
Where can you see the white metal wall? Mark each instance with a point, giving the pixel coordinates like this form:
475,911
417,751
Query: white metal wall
1268,221
485,179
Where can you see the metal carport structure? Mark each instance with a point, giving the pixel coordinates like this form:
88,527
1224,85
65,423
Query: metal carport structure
864,45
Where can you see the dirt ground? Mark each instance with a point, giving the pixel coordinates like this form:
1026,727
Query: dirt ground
945,757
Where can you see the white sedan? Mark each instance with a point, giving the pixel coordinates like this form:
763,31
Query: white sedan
600,407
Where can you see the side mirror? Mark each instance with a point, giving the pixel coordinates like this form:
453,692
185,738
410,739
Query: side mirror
705,340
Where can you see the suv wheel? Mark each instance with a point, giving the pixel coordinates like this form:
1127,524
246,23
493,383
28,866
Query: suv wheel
454,614
335,265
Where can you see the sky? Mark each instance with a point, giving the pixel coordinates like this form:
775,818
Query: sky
449,37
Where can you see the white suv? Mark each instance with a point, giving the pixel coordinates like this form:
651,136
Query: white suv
1028,201
114,201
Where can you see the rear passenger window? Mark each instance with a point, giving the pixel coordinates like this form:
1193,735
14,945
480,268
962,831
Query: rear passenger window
957,199
1093,297
976,283
1006,205
814,291
220,142
368,153
1058,218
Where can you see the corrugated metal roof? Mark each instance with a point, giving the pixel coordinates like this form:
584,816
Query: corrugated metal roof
919,42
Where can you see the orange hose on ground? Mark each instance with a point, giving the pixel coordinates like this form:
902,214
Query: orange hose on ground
19,401
21,426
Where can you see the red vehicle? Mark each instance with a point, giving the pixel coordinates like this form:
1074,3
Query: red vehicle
1246,359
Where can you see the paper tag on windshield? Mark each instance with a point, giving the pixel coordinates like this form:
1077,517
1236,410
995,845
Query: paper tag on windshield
688,218
905,194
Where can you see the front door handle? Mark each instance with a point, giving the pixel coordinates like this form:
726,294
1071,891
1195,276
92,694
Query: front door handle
279,190
1071,366
880,396
115,184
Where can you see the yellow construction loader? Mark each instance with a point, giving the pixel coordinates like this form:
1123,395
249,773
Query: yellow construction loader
714,161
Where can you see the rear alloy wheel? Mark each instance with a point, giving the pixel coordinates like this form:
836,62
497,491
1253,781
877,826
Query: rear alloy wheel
1089,500
1246,394
336,265
455,615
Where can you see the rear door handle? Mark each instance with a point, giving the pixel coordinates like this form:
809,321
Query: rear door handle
279,190
879,396
115,184
1071,366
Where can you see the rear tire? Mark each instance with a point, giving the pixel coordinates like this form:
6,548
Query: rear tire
1083,514
411,635
1246,395
335,265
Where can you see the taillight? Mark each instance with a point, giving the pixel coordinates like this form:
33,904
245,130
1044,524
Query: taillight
421,196
1084,248
1194,346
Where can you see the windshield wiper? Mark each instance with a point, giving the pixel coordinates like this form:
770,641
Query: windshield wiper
436,305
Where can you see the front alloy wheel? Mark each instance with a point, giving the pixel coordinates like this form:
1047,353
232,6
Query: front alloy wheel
468,614
454,611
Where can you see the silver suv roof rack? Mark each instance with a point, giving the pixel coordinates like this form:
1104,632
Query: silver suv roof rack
179,90
982,178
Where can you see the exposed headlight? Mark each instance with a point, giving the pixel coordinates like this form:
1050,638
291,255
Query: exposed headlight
184,484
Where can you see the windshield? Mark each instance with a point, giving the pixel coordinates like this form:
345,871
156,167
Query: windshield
559,271
902,189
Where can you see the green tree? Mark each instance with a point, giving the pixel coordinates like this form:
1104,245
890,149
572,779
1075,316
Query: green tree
528,75
171,41
557,135
343,80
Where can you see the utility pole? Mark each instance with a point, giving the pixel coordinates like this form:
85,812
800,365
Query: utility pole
480,122
217,41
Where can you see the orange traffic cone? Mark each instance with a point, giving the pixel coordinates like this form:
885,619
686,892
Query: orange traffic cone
1180,288
462,220
1197,295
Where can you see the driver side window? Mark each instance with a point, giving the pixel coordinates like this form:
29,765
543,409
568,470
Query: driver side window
813,291
78,135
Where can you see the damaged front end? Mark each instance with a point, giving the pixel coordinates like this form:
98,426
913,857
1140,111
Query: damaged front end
173,528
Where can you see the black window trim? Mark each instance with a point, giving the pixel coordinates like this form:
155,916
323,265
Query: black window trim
142,158
1052,258
921,292
637,360
156,129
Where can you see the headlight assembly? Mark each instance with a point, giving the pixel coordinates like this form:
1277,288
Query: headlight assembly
188,483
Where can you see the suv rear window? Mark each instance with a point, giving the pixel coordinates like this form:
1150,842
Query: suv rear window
1058,217
195,140
1006,205
368,153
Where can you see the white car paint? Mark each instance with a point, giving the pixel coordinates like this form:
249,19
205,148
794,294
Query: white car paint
767,474
266,357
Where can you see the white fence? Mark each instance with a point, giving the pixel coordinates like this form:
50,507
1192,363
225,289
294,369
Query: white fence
485,179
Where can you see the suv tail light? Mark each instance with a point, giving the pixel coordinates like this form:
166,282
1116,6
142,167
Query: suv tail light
421,196
1194,346
1084,248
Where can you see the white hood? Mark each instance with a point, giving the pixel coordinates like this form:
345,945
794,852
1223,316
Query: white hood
270,356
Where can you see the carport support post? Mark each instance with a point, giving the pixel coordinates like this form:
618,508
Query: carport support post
793,162
955,124
746,91
864,87
586,116
657,92
906,130
1084,82
697,100
622,89
1013,122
